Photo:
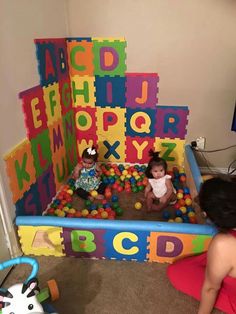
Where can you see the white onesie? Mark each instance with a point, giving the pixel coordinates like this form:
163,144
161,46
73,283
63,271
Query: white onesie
159,185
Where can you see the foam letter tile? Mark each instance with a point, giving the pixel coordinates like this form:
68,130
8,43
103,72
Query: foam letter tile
85,122
83,91
47,65
171,121
61,58
53,103
109,57
29,204
137,149
140,122
110,91
172,150
111,149
168,247
80,56
141,90
41,240
65,95
46,188
111,122
130,246
40,147
34,110
84,243
20,169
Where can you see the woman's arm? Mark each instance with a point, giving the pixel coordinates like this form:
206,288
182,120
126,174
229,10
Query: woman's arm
218,267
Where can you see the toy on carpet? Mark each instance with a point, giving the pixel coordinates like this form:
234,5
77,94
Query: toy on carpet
26,298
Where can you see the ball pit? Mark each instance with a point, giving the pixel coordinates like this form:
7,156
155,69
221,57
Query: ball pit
119,178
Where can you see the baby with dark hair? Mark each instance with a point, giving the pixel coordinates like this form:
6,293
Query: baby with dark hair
88,175
159,185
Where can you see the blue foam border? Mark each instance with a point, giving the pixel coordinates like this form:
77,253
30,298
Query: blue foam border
197,177
127,225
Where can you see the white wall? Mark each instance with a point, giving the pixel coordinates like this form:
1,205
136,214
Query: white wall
191,44
20,23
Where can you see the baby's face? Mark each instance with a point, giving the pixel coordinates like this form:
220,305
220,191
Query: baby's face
87,163
158,172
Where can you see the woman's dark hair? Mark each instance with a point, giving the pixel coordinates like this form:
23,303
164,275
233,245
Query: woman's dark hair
217,197
90,153
155,161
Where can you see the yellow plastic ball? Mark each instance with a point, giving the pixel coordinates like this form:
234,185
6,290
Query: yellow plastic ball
94,193
178,219
104,214
183,209
125,172
70,192
71,211
135,173
60,213
94,212
84,212
122,178
171,220
179,195
138,205
191,214
66,209
128,176
188,201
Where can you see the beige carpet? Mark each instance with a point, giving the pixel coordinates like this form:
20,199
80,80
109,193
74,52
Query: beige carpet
109,287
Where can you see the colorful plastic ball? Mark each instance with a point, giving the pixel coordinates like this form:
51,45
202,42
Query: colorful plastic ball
94,193
71,211
191,214
87,203
115,205
190,209
119,211
179,195
94,212
178,219
171,220
185,219
114,198
84,212
183,209
178,213
138,205
186,190
182,178
93,206
188,201
70,192
166,215
104,214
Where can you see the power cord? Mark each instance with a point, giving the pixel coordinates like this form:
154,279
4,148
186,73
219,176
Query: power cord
195,148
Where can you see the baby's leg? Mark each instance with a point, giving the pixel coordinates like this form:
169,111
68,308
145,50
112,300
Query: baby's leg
101,190
83,194
149,201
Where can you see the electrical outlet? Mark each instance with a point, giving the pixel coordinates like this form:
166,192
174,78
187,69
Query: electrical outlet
201,141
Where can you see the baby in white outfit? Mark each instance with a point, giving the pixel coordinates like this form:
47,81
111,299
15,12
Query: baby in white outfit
159,185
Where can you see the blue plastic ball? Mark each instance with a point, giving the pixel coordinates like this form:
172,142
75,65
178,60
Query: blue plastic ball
166,215
114,198
178,213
